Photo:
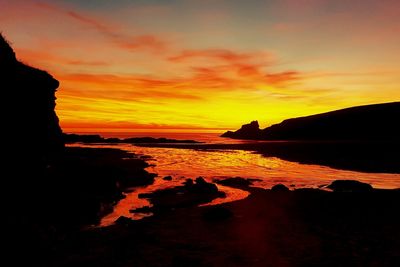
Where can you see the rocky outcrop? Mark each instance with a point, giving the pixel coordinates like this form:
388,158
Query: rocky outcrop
237,182
30,122
349,186
366,123
247,131
191,193
279,188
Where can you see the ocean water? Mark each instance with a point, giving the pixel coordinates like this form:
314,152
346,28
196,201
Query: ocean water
218,164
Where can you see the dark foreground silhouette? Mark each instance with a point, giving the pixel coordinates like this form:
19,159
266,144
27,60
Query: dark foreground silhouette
278,227
372,122
49,191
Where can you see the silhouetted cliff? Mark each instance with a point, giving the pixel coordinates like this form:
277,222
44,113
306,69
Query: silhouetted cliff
370,122
30,122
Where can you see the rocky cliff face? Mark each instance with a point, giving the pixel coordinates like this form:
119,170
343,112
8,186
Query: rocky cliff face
362,123
247,131
29,119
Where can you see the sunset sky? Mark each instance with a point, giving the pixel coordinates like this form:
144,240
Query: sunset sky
199,65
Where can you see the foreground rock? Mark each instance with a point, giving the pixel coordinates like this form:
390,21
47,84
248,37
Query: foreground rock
192,193
28,113
349,186
279,188
298,228
237,182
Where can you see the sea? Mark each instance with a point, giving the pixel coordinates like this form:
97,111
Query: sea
182,164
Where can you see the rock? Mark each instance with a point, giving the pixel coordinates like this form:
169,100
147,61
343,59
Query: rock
189,194
188,182
29,116
238,182
349,186
200,180
247,131
201,186
167,178
279,188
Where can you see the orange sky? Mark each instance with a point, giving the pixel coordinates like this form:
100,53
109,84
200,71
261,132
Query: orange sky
207,65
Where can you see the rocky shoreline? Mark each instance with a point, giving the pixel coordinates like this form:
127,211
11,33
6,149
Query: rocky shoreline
354,225
96,138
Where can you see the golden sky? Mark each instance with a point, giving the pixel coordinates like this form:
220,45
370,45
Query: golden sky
207,64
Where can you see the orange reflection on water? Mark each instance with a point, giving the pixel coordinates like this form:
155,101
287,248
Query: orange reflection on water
218,164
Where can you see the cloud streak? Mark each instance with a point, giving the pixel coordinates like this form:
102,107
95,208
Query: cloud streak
148,42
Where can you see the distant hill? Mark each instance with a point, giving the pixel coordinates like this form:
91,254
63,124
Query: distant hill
370,122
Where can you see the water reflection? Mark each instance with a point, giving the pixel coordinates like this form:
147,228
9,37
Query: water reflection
187,163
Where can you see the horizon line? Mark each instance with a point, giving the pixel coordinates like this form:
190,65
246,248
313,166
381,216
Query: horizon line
141,130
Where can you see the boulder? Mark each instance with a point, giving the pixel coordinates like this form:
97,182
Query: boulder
349,186
279,188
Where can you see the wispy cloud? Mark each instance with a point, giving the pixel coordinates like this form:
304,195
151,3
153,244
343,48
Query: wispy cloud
123,40
219,54
29,55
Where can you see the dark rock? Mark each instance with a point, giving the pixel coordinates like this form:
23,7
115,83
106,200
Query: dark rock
280,188
349,186
201,186
238,182
247,131
29,113
167,178
188,182
190,194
